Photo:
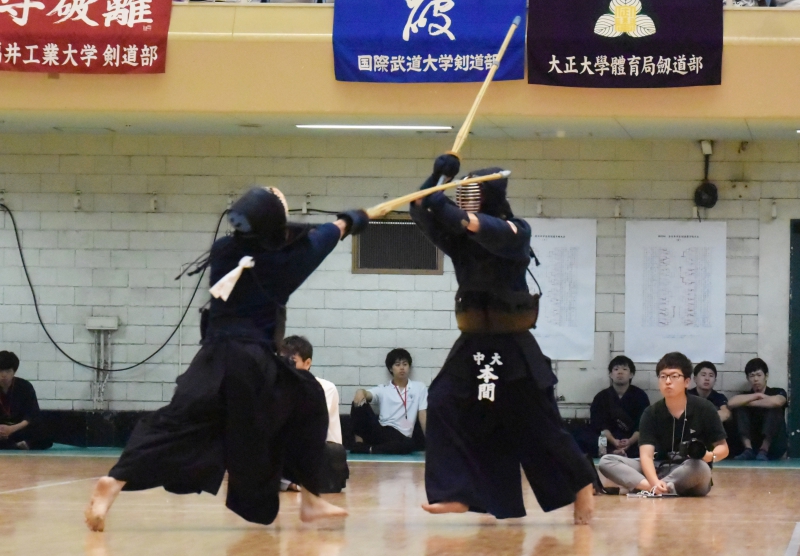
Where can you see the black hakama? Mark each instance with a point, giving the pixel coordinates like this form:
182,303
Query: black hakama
236,408
476,446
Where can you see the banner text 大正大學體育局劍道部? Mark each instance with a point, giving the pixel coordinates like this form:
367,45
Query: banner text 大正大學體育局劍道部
625,43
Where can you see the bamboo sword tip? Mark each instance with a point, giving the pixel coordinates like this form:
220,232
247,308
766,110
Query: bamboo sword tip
516,21
506,173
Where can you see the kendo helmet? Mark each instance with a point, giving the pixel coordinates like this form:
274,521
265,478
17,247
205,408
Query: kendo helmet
261,213
488,197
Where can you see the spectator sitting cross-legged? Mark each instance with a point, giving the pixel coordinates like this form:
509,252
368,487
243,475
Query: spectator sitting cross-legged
335,472
680,437
760,415
400,403
20,428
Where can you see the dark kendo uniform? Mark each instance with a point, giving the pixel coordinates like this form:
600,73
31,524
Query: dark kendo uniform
239,407
618,415
17,405
492,406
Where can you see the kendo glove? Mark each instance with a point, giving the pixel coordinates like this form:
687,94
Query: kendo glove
447,164
356,221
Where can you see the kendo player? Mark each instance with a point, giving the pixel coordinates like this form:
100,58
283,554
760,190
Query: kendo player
492,406
239,407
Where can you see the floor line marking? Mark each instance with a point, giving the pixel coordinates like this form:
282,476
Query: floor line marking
794,543
46,485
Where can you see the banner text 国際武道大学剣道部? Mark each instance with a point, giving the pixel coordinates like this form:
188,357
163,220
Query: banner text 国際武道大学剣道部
426,41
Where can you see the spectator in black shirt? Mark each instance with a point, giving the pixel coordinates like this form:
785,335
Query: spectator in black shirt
616,411
705,376
760,415
665,426
19,409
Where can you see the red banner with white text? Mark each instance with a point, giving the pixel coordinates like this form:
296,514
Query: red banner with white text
84,36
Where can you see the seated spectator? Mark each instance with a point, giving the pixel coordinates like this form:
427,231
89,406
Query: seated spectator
335,471
400,403
616,411
20,428
705,377
680,437
760,415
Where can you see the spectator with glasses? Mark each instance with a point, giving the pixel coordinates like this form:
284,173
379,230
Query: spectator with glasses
680,437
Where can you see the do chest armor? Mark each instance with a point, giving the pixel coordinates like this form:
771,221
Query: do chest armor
486,301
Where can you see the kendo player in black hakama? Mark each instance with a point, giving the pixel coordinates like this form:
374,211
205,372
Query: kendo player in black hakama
492,406
239,407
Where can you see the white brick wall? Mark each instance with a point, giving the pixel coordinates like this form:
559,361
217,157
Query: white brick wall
115,257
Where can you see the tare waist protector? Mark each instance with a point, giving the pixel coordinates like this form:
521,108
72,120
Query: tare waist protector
491,312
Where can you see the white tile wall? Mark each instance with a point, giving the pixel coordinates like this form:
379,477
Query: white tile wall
116,257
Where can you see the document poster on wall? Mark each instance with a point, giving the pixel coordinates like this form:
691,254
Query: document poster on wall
675,290
567,251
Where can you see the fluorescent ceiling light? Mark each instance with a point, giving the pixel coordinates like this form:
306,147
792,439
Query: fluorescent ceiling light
74,129
378,127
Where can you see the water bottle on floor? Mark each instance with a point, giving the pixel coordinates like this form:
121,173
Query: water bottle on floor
602,445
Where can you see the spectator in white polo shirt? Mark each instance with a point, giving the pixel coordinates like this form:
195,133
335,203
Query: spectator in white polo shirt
400,402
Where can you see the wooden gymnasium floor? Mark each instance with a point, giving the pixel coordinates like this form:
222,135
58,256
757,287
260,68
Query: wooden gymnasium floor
752,511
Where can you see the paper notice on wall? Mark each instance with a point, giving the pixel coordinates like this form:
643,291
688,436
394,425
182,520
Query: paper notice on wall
567,250
675,290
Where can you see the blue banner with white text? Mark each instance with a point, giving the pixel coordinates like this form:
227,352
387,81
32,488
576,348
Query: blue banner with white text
625,43
426,41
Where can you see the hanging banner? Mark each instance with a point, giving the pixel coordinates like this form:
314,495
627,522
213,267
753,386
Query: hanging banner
675,290
425,41
567,251
625,43
84,36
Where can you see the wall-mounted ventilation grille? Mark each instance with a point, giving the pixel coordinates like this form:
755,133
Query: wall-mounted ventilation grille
395,247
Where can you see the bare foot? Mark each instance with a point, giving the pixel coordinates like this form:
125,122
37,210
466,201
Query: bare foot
95,545
446,508
105,492
313,508
584,506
